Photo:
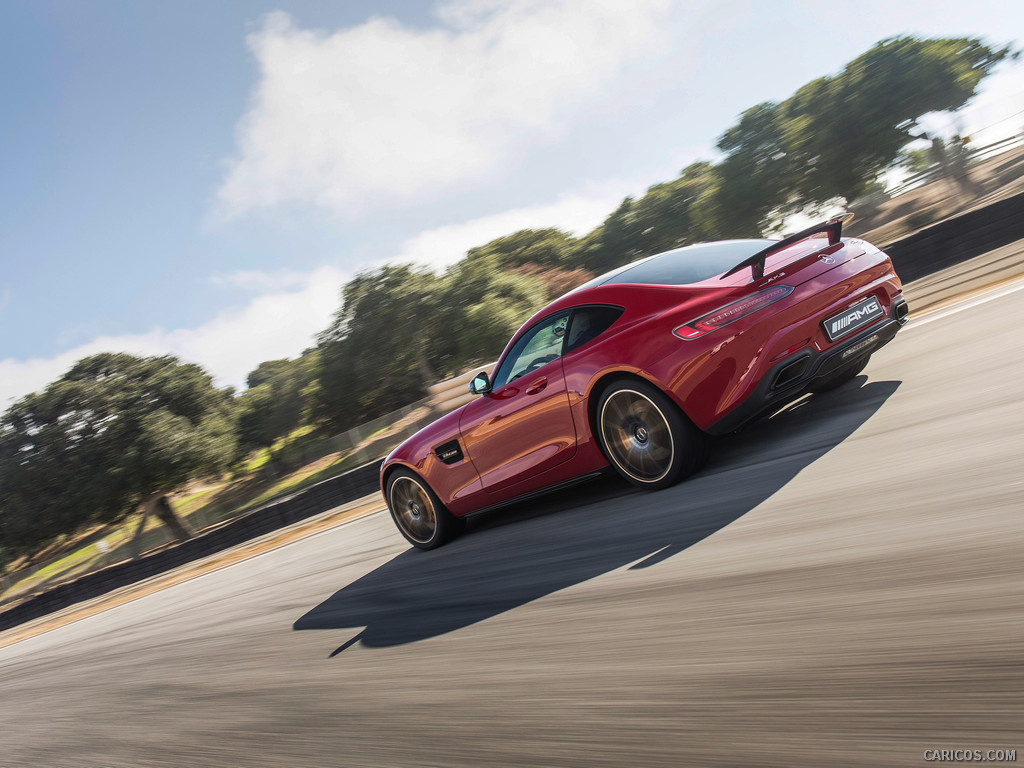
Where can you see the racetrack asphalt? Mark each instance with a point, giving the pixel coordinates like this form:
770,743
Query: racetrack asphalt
842,585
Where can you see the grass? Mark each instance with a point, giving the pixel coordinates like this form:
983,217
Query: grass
78,557
80,560
263,456
186,505
258,460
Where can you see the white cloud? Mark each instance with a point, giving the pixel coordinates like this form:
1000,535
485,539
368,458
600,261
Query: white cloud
273,325
382,112
254,280
576,213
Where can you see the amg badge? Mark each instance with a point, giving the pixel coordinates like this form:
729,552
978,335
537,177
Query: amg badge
853,318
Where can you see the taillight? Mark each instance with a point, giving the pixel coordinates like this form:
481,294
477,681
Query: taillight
731,312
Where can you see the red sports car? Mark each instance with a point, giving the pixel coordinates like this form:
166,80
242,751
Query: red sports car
636,368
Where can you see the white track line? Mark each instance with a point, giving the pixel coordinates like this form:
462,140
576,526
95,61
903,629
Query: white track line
938,314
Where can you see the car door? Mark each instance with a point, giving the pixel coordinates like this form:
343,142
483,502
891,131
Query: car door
523,426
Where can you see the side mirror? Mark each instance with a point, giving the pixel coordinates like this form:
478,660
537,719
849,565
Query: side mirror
480,385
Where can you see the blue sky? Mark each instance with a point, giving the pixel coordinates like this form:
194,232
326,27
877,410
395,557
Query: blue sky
200,178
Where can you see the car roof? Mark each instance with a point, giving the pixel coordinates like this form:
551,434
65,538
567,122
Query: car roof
681,266
667,271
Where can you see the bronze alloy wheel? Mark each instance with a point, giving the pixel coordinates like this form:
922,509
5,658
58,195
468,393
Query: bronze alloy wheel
637,435
413,509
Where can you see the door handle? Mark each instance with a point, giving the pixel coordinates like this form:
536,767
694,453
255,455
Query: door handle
537,386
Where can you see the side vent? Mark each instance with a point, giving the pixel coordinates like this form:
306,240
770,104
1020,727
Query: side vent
449,453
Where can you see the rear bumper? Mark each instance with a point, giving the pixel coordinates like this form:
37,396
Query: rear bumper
795,376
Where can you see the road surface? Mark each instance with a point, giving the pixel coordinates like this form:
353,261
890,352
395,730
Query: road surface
842,585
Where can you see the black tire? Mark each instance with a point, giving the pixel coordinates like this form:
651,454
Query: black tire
417,512
841,376
645,436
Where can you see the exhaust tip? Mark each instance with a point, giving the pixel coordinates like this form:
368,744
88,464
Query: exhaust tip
901,311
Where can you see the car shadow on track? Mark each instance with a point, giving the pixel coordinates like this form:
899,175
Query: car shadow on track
514,556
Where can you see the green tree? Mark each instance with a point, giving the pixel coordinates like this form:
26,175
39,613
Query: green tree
484,305
254,419
375,356
401,328
754,178
917,160
670,215
279,399
544,247
114,432
615,242
835,135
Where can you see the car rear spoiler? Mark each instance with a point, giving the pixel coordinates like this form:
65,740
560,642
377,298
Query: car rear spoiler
834,228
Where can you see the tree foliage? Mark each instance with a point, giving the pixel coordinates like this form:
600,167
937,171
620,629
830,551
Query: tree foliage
401,328
374,356
483,306
544,247
96,442
279,399
836,134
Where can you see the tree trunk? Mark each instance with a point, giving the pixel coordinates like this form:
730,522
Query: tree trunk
425,371
136,545
951,160
158,504
959,158
163,510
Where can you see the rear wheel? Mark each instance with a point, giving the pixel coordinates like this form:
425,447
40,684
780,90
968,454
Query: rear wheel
646,437
418,513
841,376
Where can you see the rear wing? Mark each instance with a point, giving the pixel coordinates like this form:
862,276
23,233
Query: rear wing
834,228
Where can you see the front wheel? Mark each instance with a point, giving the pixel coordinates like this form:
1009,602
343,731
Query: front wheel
418,513
647,439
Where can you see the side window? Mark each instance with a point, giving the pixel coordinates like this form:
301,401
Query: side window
590,322
538,346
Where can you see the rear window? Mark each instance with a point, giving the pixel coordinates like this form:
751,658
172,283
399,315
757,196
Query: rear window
588,323
691,264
